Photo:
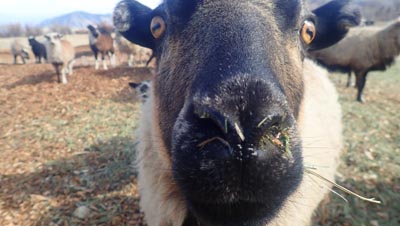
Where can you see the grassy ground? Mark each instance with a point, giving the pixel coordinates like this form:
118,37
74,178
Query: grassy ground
371,160
66,150
67,146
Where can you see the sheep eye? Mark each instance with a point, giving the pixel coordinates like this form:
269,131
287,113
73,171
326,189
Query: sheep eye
308,32
157,27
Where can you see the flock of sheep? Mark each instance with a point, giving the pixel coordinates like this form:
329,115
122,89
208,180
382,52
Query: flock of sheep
364,49
59,52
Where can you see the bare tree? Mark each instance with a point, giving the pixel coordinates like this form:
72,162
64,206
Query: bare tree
31,30
62,29
12,30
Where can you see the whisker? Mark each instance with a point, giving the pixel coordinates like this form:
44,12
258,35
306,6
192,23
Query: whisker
330,189
372,200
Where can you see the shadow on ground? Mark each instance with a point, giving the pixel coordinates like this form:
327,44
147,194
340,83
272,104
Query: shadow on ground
95,178
47,76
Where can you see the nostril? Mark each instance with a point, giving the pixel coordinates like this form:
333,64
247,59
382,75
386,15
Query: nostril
274,129
270,121
208,114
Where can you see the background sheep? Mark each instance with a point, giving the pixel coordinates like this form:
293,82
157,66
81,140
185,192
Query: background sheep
18,50
364,49
126,47
38,49
229,73
61,54
142,90
100,41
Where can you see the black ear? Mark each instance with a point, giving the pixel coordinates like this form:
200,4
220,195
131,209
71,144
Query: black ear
132,19
134,85
333,21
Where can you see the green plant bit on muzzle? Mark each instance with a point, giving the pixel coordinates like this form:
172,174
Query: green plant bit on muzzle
280,139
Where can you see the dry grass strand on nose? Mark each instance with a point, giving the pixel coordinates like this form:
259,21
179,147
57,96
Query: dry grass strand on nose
239,132
204,143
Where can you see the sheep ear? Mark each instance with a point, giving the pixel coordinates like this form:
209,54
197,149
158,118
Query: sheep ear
134,85
333,21
132,19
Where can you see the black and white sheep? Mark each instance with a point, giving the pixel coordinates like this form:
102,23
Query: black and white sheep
101,41
61,54
363,50
18,50
142,90
38,49
221,140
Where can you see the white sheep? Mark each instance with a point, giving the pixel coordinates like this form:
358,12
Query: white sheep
61,54
18,50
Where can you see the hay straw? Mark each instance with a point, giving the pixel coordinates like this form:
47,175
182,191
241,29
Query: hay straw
204,143
262,122
239,132
310,171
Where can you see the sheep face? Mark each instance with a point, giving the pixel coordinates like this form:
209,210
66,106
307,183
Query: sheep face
31,41
142,90
53,38
25,54
228,94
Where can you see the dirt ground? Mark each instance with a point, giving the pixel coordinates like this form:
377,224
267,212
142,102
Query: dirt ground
67,146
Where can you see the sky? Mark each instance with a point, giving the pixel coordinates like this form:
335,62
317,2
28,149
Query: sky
35,11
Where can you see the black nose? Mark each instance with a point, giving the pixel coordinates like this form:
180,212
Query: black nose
235,149
240,129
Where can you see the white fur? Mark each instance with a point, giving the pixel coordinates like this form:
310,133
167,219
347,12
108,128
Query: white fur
61,54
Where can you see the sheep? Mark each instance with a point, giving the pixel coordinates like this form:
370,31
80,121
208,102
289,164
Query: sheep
101,41
142,89
61,54
38,49
18,50
124,46
227,131
365,49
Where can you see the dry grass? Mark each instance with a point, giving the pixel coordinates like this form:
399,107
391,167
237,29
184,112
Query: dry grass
370,162
65,146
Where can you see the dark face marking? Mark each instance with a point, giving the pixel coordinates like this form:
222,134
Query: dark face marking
228,94
241,65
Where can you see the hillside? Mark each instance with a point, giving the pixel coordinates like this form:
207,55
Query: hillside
77,19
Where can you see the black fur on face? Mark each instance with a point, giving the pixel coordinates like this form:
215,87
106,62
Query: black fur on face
232,81
228,93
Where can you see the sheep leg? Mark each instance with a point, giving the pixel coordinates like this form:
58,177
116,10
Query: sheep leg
104,61
64,75
130,60
71,67
97,61
361,80
57,68
23,59
111,55
15,59
349,79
